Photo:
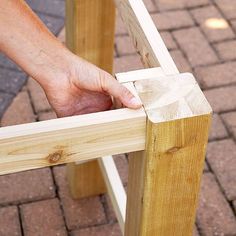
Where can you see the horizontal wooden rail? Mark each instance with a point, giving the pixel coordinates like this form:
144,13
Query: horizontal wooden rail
71,139
135,75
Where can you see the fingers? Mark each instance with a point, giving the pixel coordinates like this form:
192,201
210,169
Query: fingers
94,79
114,88
117,104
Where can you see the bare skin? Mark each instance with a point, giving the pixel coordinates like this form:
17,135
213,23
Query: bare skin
72,85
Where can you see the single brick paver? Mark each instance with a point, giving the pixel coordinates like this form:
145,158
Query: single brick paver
127,63
19,112
222,99
150,5
217,75
122,166
124,45
78,213
9,221
226,50
228,7
172,20
194,45
214,215
180,61
215,27
104,230
168,40
51,7
5,101
47,116
26,186
6,62
164,5
39,99
43,218
230,121
11,81
55,24
120,28
109,210
221,155
218,130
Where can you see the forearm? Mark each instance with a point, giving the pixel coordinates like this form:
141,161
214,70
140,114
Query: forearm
72,85
26,40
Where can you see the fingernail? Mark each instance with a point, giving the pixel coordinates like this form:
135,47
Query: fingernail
135,102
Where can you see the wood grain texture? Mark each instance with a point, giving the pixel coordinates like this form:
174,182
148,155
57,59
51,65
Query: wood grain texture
75,174
134,208
132,76
90,26
146,38
172,97
71,139
164,180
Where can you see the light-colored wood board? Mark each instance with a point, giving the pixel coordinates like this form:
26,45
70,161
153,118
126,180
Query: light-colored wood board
115,188
146,38
132,76
169,177
90,26
135,193
71,139
75,174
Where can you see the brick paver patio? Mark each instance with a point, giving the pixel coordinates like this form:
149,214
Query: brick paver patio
200,35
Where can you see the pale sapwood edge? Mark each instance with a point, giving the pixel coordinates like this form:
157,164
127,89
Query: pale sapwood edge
71,139
115,188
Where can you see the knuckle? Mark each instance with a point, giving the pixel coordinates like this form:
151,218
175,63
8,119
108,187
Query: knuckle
103,80
124,94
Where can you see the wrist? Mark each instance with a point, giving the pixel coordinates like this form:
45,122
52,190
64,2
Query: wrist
53,68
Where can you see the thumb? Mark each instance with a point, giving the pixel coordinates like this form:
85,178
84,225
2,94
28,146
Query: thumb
111,86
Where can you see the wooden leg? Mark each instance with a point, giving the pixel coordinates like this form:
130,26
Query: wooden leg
90,28
85,179
164,179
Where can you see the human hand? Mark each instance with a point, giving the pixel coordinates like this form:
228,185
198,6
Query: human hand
86,89
72,85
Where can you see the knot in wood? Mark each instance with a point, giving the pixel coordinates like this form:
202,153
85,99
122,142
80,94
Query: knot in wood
173,149
55,157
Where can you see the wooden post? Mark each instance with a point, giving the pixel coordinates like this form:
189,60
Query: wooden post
90,34
164,179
